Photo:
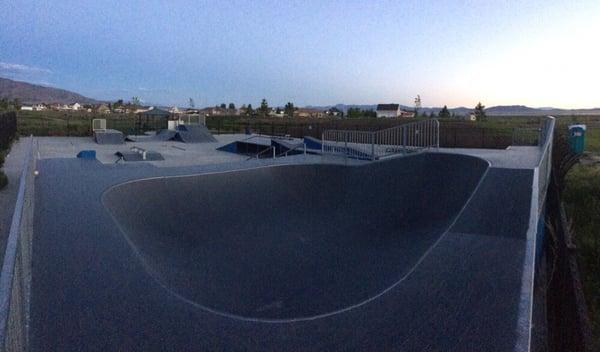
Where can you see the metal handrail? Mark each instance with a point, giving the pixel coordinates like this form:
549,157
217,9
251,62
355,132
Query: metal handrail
301,144
257,156
411,137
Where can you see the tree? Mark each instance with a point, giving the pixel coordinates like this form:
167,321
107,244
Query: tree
264,108
289,109
118,103
353,113
431,115
480,112
4,104
17,104
369,113
135,101
223,106
191,103
444,113
249,110
231,106
356,113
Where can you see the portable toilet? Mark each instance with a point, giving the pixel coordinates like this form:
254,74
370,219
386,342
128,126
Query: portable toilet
577,138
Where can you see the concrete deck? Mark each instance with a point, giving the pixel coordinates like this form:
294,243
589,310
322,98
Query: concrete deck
511,158
183,154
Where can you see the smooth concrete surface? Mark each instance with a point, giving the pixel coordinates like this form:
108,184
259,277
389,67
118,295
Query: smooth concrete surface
175,153
296,241
99,284
518,157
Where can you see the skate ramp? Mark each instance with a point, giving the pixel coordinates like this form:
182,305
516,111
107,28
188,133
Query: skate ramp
292,242
109,137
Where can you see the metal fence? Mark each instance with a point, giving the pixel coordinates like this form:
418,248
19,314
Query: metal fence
544,169
8,128
15,279
403,139
526,136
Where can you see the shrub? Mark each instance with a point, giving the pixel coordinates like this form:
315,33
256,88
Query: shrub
1,158
3,180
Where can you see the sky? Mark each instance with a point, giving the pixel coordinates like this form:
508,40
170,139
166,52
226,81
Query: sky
455,53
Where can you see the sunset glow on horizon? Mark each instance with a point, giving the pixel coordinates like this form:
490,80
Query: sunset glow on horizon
455,53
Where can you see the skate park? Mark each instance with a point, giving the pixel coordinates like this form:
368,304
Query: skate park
351,243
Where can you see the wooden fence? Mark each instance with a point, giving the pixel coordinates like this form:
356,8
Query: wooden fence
8,128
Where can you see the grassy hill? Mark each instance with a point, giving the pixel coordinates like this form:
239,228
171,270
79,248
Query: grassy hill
32,93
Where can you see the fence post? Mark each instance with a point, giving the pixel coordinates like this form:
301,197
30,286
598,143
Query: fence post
346,143
372,146
483,137
404,140
437,133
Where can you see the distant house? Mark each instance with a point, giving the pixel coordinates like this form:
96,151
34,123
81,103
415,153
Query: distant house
103,109
388,110
39,107
155,113
278,112
334,112
471,116
175,110
407,113
140,110
309,113
75,106
26,108
192,111
218,111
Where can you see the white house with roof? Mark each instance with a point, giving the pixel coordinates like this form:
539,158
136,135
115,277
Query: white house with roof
388,110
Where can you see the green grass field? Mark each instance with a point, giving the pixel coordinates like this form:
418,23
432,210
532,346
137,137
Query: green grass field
592,140
582,200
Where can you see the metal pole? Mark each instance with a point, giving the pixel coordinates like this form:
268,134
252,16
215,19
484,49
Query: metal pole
373,146
346,144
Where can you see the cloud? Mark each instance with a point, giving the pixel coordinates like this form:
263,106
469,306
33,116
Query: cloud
24,69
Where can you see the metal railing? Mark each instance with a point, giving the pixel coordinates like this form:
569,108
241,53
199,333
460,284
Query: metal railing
546,141
286,152
402,139
15,279
526,136
263,152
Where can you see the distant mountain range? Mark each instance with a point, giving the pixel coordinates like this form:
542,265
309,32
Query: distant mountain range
502,110
32,93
